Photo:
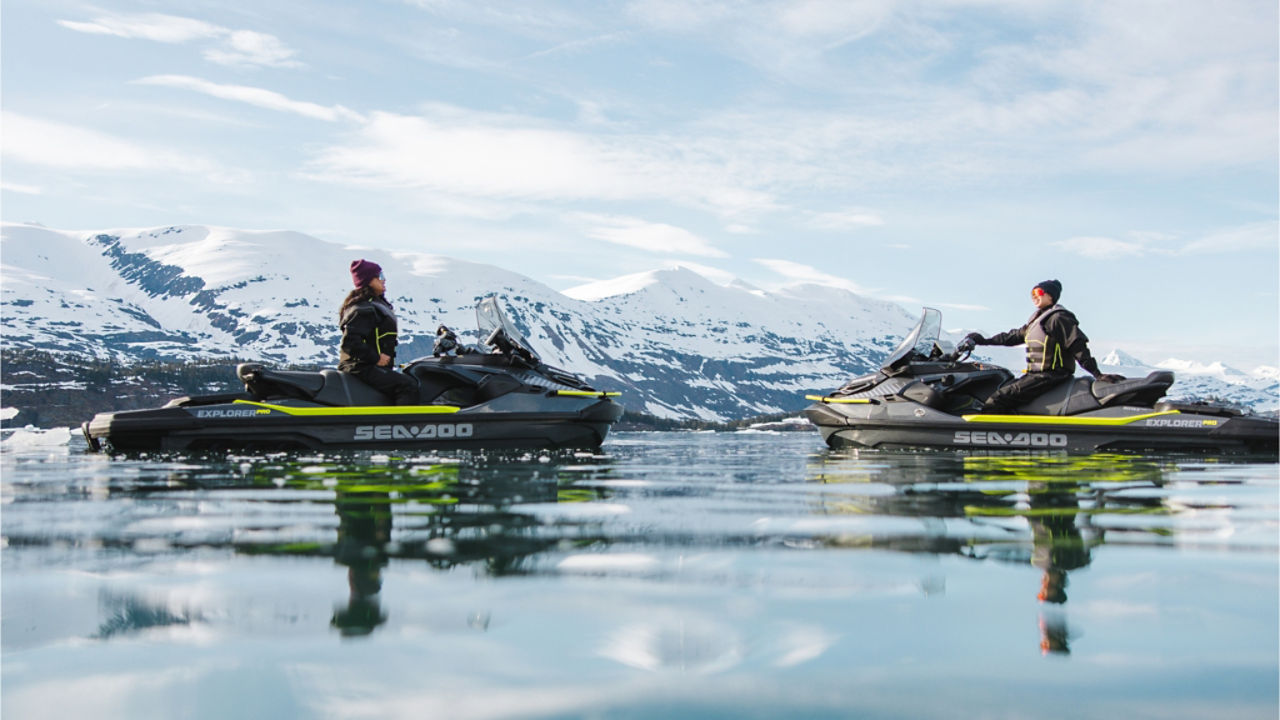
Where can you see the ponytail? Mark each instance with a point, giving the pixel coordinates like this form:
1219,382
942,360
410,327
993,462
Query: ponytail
358,295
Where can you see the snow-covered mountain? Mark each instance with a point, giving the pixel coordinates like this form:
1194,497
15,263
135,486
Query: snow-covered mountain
677,344
1259,388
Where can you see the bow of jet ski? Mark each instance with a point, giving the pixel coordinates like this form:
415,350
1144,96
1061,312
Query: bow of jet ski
499,399
925,395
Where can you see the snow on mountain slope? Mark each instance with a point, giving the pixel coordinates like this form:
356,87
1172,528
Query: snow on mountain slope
1259,389
676,343
622,285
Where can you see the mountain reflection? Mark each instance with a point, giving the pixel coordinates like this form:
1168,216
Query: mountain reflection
127,614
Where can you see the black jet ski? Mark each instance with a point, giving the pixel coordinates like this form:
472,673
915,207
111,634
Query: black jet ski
496,395
926,395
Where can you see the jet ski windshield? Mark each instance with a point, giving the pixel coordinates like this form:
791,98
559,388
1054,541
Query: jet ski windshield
497,331
919,342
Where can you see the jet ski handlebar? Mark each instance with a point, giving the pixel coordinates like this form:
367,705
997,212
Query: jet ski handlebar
500,341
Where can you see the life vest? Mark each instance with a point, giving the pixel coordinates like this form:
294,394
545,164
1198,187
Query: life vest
1044,352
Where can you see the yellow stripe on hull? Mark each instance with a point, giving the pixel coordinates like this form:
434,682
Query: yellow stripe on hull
355,410
1068,420
585,393
838,401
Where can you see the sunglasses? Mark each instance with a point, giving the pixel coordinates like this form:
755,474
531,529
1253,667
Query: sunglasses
1037,292
382,277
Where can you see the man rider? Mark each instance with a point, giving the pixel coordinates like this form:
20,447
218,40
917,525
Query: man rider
1055,344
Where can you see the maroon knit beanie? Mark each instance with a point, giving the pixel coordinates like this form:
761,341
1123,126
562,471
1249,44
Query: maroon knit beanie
363,271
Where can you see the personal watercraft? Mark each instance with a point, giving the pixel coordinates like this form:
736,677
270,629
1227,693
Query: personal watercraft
927,395
496,395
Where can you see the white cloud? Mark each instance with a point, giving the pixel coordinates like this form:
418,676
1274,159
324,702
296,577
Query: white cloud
1101,248
650,236
800,273
803,21
852,219
53,144
462,153
24,189
232,47
1092,85
247,47
155,27
1257,236
833,20
258,97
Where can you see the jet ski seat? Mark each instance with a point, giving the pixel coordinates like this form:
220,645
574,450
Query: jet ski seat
1135,391
327,387
1082,394
345,389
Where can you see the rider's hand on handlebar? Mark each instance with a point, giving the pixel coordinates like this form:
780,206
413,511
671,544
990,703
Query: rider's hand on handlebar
969,342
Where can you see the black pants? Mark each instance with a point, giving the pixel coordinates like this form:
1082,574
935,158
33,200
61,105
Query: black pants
1021,390
402,388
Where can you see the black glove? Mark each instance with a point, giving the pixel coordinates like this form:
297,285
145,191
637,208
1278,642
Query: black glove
1109,378
969,341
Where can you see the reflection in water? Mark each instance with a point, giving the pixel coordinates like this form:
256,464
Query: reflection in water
364,529
128,614
723,575
698,645
1058,546
446,514
1037,509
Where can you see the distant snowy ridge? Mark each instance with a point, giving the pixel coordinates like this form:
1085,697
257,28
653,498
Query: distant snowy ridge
1259,388
675,343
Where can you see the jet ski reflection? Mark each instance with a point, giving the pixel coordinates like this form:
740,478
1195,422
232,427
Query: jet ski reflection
445,514
1029,510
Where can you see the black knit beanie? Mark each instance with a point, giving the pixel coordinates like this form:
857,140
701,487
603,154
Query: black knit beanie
1051,287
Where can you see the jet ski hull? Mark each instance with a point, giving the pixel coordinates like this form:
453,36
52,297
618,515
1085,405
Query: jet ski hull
907,425
927,394
537,422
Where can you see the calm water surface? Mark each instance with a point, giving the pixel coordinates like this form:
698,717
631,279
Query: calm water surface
706,575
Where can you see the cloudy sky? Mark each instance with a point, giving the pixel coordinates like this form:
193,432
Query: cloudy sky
943,152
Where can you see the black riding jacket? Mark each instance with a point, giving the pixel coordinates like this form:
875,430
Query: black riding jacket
368,330
1054,342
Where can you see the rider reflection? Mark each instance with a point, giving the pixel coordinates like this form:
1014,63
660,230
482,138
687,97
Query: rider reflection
448,515
1057,547
364,529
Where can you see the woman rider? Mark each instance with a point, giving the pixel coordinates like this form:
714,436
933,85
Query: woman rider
368,325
